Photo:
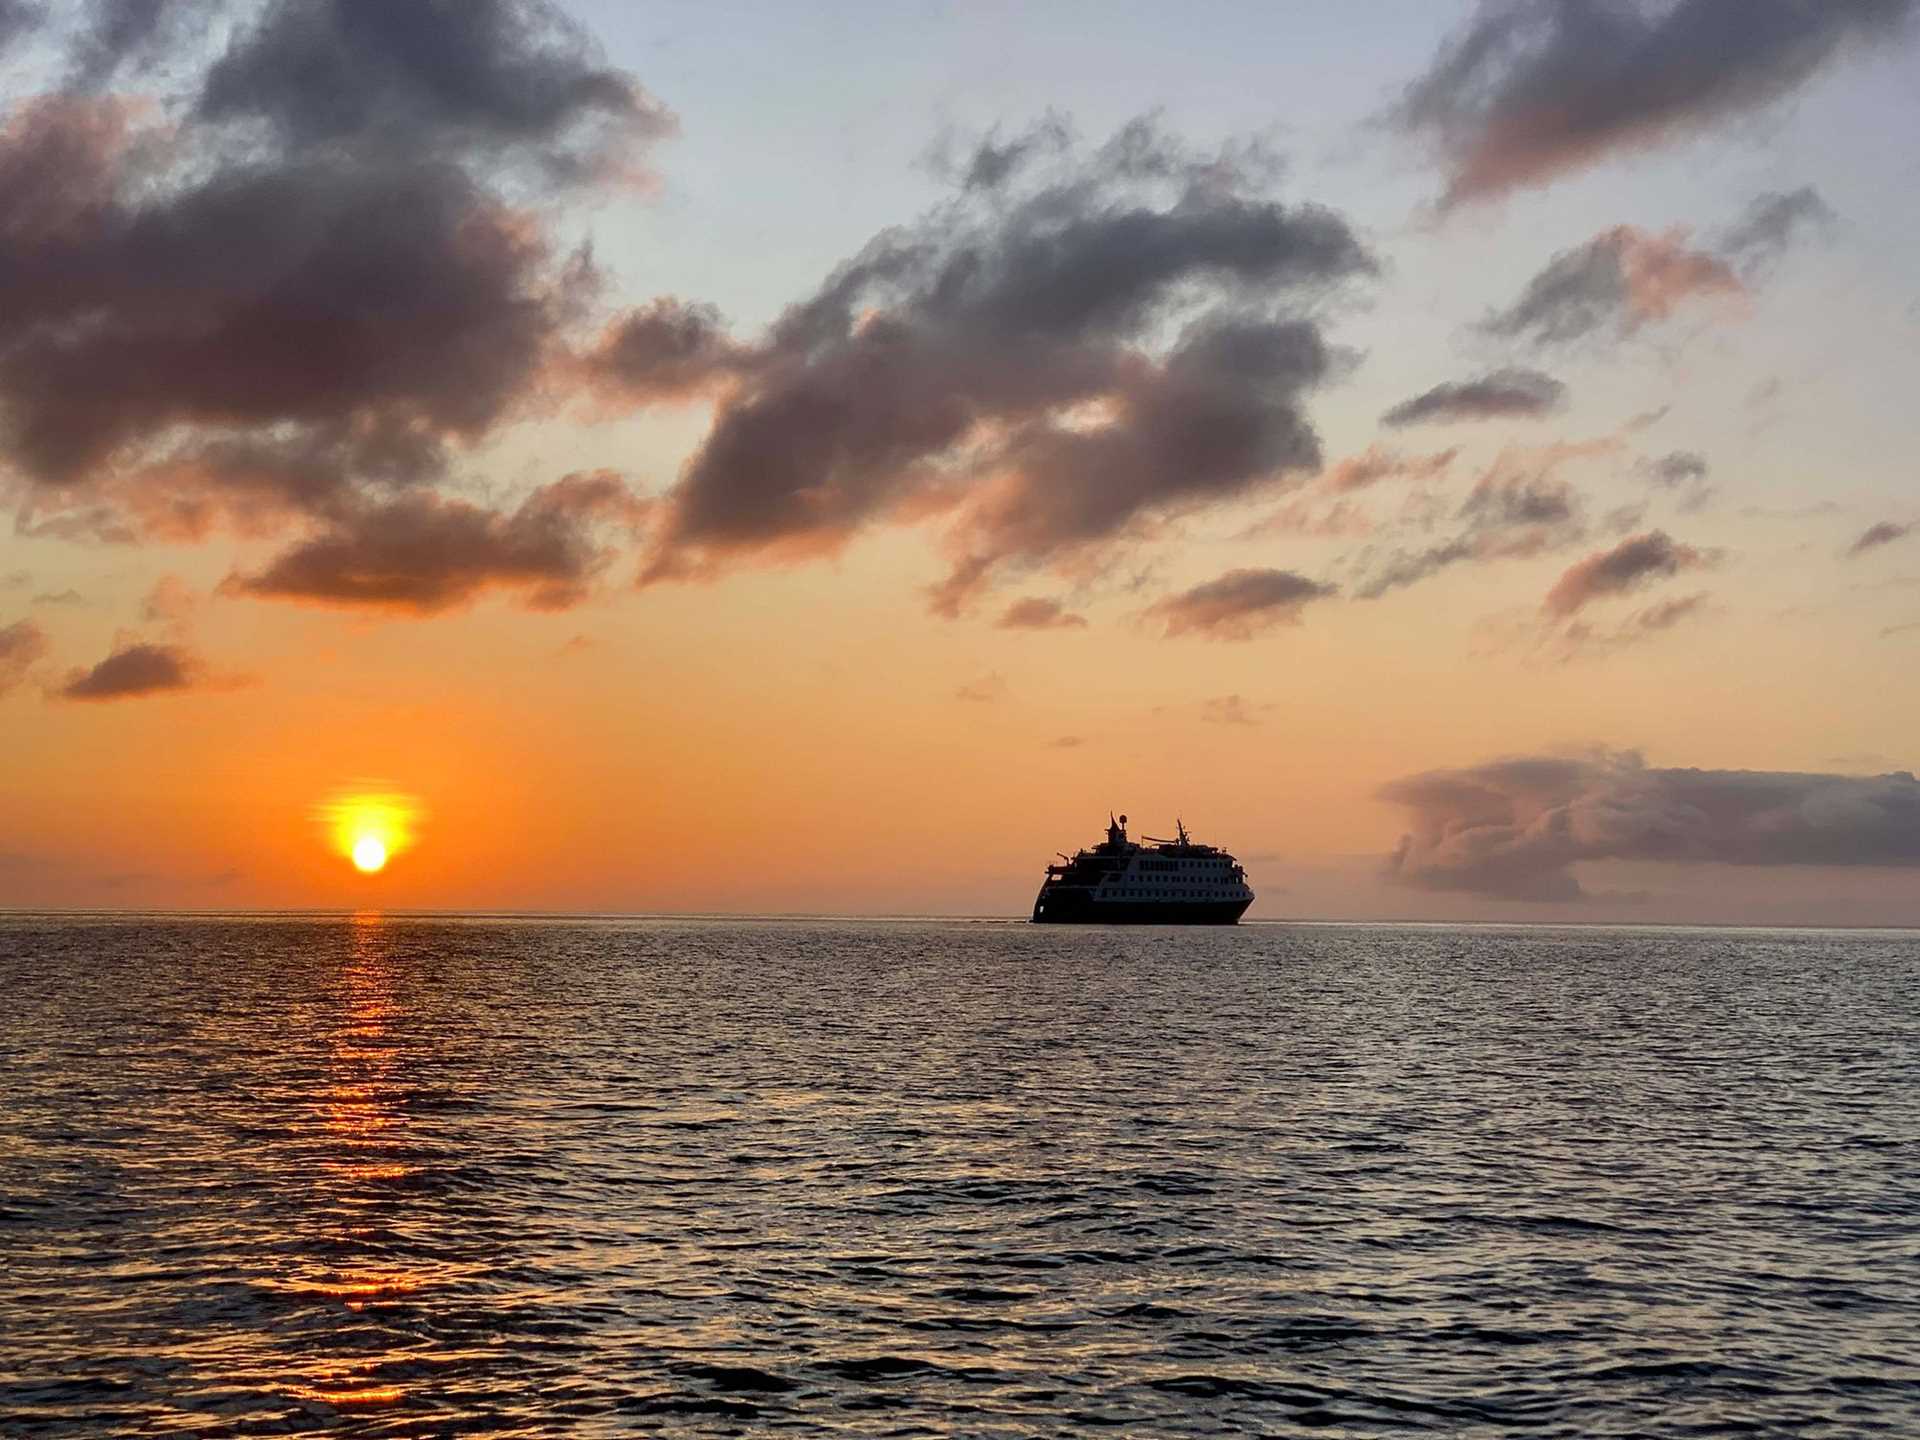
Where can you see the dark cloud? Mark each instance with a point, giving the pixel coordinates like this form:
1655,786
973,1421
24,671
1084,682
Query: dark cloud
1616,282
296,301
421,554
1066,742
1039,613
1238,605
1881,532
435,78
134,671
23,645
59,597
331,299
1512,393
666,350
1514,829
1633,563
1520,507
1003,361
1773,221
1532,89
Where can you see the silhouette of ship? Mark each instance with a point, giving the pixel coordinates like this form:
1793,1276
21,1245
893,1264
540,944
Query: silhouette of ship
1163,882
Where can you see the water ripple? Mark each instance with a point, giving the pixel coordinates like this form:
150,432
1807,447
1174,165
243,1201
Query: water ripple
440,1177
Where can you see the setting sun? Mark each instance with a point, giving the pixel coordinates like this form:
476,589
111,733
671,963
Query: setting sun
370,826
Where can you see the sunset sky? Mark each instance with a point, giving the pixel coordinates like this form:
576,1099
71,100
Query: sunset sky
1463,459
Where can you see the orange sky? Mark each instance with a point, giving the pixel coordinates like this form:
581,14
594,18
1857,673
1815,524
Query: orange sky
798,730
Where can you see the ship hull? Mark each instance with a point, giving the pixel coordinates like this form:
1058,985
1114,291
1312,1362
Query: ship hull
1071,907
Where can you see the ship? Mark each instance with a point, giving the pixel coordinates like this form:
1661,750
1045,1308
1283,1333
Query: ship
1160,882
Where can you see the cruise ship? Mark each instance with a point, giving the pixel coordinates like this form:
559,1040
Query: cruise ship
1161,882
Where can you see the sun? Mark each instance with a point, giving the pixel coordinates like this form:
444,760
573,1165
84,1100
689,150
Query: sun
369,854
369,825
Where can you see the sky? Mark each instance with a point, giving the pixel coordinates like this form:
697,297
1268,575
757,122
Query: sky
760,458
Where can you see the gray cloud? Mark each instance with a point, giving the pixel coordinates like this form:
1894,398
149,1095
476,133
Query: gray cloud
480,78
1513,393
1001,362
23,644
1881,532
1238,605
1676,468
1530,90
422,554
1683,472
1039,613
134,671
1628,566
1514,829
1618,281
1772,223
1520,507
295,302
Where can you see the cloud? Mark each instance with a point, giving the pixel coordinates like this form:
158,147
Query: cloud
394,304
1039,613
1618,281
1229,710
1772,222
325,272
1676,468
422,554
171,601
1378,463
1514,829
1581,639
1238,605
1633,563
60,597
1881,532
487,79
1512,393
134,671
1066,742
985,690
23,644
667,350
1518,508
1083,349
1301,516
1530,90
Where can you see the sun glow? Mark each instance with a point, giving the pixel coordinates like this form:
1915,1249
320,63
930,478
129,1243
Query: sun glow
370,827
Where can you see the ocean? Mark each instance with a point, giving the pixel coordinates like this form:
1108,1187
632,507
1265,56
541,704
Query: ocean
437,1176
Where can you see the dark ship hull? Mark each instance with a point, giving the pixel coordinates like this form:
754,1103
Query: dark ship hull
1071,907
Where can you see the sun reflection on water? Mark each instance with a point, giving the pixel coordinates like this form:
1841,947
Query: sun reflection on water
361,1108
